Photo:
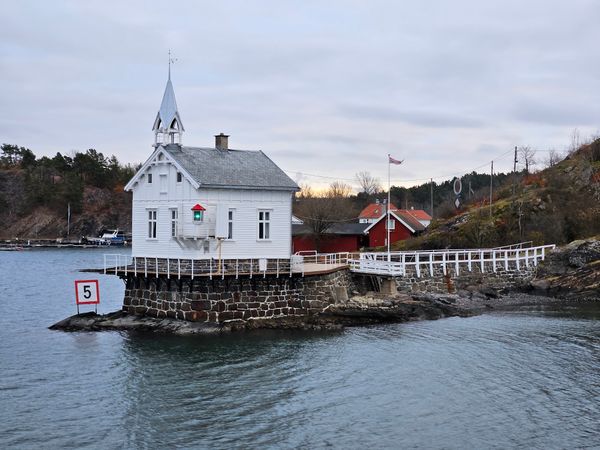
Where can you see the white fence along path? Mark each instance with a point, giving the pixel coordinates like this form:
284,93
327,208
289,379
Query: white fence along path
423,262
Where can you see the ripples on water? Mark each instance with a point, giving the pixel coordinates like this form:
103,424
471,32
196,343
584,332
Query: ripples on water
493,381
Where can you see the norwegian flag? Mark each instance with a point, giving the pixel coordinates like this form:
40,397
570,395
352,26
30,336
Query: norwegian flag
395,161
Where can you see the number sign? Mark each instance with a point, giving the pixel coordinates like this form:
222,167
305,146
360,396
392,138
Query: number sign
87,292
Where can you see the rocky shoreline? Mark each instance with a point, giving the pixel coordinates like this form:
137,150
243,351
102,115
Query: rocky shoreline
360,310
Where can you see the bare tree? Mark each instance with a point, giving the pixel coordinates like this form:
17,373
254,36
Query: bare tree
368,183
527,155
575,141
321,210
338,189
554,157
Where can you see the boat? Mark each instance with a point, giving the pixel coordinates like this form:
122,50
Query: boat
110,237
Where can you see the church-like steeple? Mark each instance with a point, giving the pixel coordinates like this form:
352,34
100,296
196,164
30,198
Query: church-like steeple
167,126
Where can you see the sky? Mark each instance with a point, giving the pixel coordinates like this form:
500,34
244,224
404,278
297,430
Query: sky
325,88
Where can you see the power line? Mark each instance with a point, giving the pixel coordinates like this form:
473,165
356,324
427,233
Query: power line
444,177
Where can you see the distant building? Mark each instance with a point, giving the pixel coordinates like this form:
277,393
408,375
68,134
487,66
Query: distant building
419,214
373,212
402,226
339,237
208,202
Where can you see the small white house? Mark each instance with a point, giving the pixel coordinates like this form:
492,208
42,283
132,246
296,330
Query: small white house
217,202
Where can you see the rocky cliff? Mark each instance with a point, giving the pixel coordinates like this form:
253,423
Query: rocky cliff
571,272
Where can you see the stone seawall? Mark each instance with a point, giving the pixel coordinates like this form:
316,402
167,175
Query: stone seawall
441,283
222,299
218,300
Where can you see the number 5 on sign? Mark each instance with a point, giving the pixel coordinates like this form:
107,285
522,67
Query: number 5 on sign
87,292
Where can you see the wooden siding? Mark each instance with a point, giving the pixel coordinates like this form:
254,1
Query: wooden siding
182,196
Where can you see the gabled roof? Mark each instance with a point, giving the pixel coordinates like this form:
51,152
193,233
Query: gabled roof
418,214
412,224
374,211
232,169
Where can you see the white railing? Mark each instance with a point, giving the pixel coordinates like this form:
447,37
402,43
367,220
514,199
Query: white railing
419,263
424,263
177,267
113,263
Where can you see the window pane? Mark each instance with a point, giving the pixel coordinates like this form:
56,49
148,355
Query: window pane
267,230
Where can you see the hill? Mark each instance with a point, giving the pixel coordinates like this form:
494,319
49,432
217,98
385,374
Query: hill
556,205
37,193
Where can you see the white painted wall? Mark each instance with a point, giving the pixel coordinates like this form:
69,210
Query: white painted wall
164,194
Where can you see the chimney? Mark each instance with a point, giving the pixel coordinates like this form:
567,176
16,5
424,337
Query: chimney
221,142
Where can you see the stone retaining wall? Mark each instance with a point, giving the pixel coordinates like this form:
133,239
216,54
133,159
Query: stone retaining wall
440,283
449,283
218,300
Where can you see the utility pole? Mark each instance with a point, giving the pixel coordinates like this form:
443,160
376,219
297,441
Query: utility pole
432,198
491,187
514,184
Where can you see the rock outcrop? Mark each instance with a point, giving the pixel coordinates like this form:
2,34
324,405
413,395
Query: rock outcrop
571,272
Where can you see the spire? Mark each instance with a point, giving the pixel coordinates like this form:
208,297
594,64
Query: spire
167,125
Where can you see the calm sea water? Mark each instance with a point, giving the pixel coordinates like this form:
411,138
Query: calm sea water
493,381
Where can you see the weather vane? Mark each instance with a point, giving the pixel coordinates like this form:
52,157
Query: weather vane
171,61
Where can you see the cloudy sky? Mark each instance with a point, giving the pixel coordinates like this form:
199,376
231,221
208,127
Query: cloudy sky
325,88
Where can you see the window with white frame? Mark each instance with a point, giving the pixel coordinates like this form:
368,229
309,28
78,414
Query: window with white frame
179,177
230,215
391,224
264,224
149,178
174,222
152,215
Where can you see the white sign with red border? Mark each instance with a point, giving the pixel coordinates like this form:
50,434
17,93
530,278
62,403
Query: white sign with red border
87,292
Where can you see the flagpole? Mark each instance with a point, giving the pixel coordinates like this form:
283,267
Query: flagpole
387,223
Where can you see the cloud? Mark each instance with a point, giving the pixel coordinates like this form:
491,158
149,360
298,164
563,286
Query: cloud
326,88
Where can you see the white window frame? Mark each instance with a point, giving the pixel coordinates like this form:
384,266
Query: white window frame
230,226
391,224
149,175
179,177
152,224
174,217
264,224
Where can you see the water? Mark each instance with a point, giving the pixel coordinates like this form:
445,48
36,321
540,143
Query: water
493,381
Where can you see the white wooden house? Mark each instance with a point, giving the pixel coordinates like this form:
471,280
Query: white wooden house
217,202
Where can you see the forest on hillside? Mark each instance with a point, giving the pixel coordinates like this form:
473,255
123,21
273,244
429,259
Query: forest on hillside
36,193
59,181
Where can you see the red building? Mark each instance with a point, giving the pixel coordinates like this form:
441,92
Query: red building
402,226
339,237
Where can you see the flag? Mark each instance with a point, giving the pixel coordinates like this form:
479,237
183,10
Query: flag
395,161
